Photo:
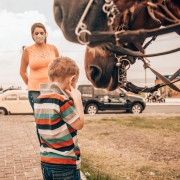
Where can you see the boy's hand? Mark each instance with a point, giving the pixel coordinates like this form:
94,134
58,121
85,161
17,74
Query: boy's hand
76,96
74,93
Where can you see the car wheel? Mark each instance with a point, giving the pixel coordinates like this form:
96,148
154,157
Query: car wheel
91,109
162,100
3,111
148,100
136,108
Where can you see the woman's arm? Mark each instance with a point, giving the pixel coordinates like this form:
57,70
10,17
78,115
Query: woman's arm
56,51
24,65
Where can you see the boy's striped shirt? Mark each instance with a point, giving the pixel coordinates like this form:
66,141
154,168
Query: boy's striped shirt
54,113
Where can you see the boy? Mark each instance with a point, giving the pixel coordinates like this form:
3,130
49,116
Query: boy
58,118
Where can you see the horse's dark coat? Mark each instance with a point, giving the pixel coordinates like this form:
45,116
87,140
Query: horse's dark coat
100,64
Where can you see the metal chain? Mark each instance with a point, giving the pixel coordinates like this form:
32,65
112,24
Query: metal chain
111,10
123,65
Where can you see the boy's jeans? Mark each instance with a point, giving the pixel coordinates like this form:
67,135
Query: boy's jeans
52,172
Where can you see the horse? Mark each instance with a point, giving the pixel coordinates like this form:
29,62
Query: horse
100,60
68,14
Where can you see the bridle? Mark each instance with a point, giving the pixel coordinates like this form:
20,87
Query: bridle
120,37
81,27
109,8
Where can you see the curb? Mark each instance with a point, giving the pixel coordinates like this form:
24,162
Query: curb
163,104
83,177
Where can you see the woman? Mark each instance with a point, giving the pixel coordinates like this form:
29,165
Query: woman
37,57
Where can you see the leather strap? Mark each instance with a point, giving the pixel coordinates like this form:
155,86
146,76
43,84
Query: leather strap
97,38
166,82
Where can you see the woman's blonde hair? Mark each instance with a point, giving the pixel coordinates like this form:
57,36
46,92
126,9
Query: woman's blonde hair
61,68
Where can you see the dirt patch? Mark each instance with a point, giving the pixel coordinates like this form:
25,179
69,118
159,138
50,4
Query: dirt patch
126,152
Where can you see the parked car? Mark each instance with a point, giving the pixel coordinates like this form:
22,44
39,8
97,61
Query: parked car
15,102
95,99
9,88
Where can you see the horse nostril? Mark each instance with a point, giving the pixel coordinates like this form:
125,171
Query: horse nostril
95,72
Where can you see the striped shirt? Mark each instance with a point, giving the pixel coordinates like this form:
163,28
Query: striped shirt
54,113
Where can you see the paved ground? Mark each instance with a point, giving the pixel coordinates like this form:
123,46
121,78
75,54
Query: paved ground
19,149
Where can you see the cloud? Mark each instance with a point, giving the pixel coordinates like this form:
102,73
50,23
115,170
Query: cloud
15,28
15,33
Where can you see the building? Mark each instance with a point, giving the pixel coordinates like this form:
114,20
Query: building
167,90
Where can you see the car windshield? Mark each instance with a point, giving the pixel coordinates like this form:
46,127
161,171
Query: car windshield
122,90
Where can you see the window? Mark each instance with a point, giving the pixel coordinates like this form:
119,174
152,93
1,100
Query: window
114,93
122,100
100,92
11,97
23,97
122,90
87,91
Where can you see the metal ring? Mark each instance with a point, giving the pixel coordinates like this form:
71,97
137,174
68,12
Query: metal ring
128,65
121,57
110,21
78,37
108,5
108,1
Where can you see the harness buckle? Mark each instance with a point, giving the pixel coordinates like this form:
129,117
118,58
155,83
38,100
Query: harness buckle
117,38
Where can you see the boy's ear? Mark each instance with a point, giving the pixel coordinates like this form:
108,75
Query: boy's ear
72,78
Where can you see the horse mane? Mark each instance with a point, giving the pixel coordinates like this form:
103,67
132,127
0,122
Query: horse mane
174,6
175,2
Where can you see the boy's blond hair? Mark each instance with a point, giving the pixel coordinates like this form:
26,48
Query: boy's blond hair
61,68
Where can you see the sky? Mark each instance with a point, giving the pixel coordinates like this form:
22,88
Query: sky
16,19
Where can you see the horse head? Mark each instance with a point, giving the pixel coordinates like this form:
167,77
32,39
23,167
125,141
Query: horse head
78,18
68,13
100,68
100,63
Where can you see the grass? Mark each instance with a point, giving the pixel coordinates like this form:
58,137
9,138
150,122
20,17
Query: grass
91,173
133,148
168,123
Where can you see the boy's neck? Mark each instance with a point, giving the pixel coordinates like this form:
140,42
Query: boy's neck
60,85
